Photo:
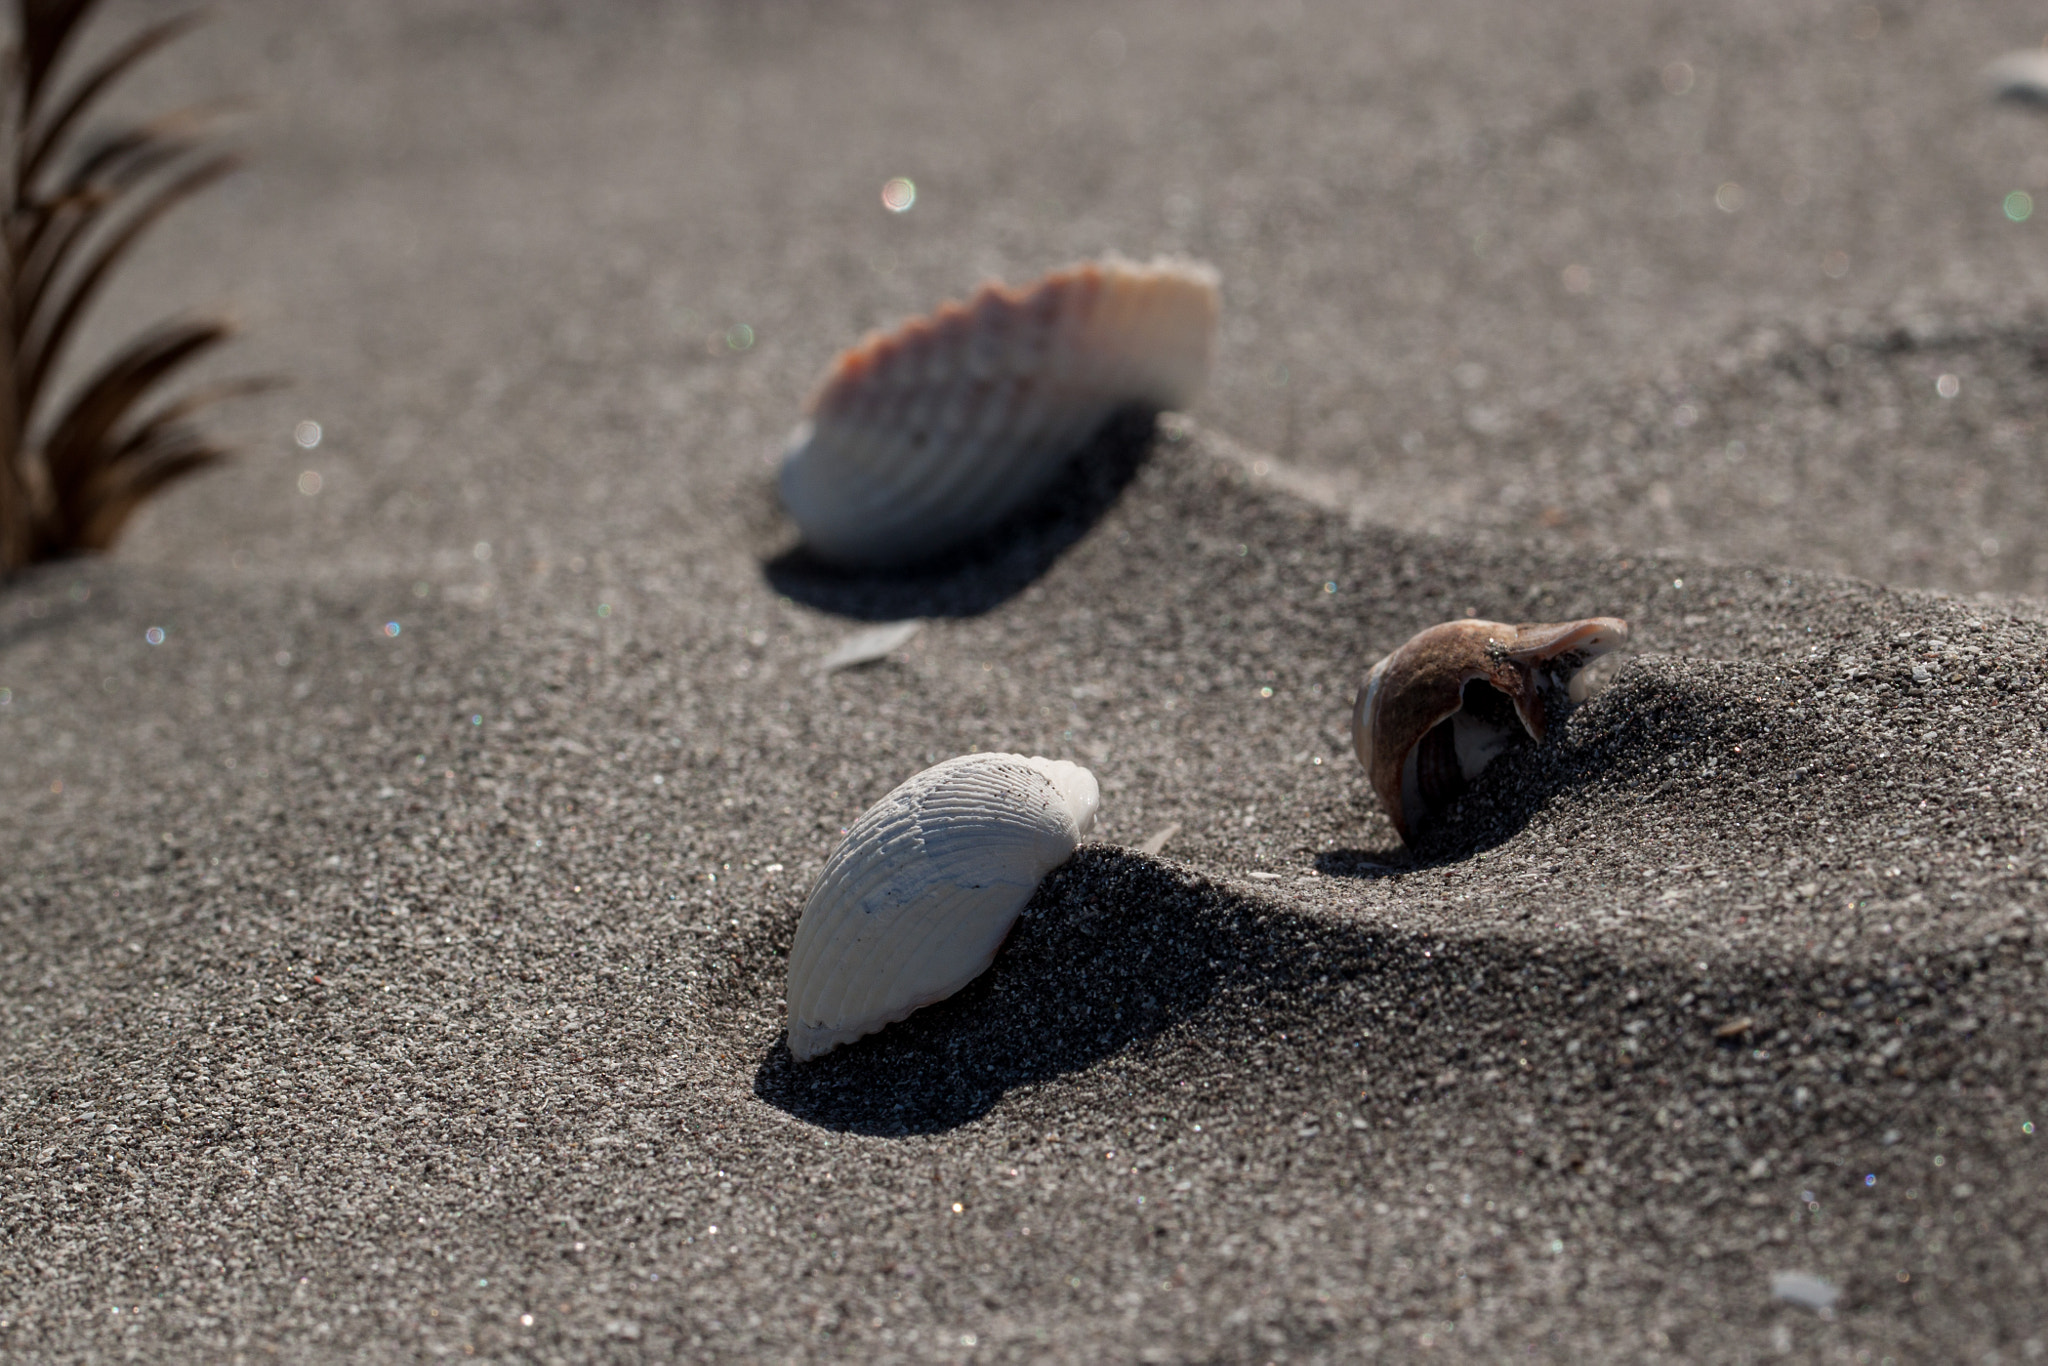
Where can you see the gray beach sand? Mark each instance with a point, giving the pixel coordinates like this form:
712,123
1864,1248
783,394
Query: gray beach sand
391,958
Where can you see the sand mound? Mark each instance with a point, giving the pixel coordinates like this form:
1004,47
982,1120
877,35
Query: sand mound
390,958
458,993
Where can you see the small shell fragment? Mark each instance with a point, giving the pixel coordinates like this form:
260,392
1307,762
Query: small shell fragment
1806,1290
1156,842
920,438
1422,732
865,647
917,898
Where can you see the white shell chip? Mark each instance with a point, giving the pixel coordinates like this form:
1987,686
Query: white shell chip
1806,1290
917,898
865,647
920,438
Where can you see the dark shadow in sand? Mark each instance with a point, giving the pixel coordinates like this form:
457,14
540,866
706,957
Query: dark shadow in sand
996,566
1367,865
1116,950
1500,802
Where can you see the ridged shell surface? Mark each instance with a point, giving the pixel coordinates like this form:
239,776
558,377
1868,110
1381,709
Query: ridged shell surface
917,898
920,438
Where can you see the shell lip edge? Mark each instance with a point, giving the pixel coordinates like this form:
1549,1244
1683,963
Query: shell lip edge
822,1038
874,346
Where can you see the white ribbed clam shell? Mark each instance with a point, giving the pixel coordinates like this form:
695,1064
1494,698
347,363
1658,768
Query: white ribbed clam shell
922,437
917,898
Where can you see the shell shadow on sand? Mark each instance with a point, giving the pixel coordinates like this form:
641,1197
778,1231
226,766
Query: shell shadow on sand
1000,565
1119,953
1112,949
1622,735
1116,949
1500,803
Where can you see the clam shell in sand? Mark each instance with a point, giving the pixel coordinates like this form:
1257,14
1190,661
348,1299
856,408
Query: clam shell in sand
921,438
923,890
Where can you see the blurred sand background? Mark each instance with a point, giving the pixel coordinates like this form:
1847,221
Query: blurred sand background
372,996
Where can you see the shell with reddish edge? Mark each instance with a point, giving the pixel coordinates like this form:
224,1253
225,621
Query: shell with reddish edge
923,437
917,898
1413,725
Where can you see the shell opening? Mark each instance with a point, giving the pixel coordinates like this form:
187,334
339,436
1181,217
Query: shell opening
1485,725
1557,662
1457,750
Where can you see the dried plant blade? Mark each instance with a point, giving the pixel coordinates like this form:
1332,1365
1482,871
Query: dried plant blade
38,356
77,441
114,163
159,450
65,233
101,159
60,225
203,397
17,520
115,160
123,489
47,27
44,139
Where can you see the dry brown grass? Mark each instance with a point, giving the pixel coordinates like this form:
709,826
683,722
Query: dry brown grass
72,473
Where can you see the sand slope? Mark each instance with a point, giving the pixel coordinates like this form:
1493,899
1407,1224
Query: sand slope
364,996
474,956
